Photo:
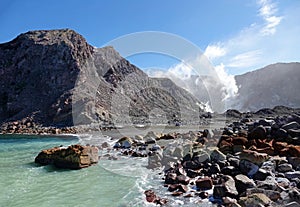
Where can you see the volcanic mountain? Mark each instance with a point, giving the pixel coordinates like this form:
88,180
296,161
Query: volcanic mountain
57,79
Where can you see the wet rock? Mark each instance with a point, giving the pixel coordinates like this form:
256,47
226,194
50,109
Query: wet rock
255,200
124,142
72,157
150,137
248,168
204,183
167,137
177,193
284,167
183,179
155,147
178,187
178,152
258,133
171,178
151,197
203,195
154,161
243,183
105,145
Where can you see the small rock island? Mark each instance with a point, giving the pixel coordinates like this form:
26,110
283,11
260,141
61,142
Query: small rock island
72,157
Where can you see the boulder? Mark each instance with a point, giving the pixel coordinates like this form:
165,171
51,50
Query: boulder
258,133
124,142
261,174
204,183
254,157
291,125
151,197
242,183
72,157
268,184
295,162
227,188
216,155
292,204
280,134
294,132
284,167
248,168
272,194
255,199
292,175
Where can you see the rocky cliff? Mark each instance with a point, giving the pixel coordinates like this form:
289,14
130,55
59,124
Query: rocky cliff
54,77
276,84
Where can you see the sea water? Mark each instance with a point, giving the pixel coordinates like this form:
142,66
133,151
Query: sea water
110,183
24,183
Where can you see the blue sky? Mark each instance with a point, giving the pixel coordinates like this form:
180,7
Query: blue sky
236,35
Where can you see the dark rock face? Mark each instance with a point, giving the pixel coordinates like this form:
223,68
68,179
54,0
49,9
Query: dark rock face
72,157
38,69
48,75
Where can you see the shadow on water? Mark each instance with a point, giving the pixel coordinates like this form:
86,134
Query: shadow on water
47,168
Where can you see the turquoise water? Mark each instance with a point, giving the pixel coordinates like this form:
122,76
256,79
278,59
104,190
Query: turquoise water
23,183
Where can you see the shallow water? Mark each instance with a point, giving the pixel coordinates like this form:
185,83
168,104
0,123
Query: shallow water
23,183
109,183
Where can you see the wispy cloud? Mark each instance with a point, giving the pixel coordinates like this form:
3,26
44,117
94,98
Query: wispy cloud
269,40
245,59
268,11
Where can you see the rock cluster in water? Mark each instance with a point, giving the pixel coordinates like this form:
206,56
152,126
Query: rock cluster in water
248,163
72,157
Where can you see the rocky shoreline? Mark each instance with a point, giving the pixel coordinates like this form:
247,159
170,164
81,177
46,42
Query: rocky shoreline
248,163
253,161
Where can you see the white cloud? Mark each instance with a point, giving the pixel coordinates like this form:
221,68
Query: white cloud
214,51
275,38
268,11
246,59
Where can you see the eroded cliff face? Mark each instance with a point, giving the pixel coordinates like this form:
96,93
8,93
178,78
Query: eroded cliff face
55,77
36,69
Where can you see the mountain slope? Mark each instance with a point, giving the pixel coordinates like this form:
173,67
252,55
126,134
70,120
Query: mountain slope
56,78
273,85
